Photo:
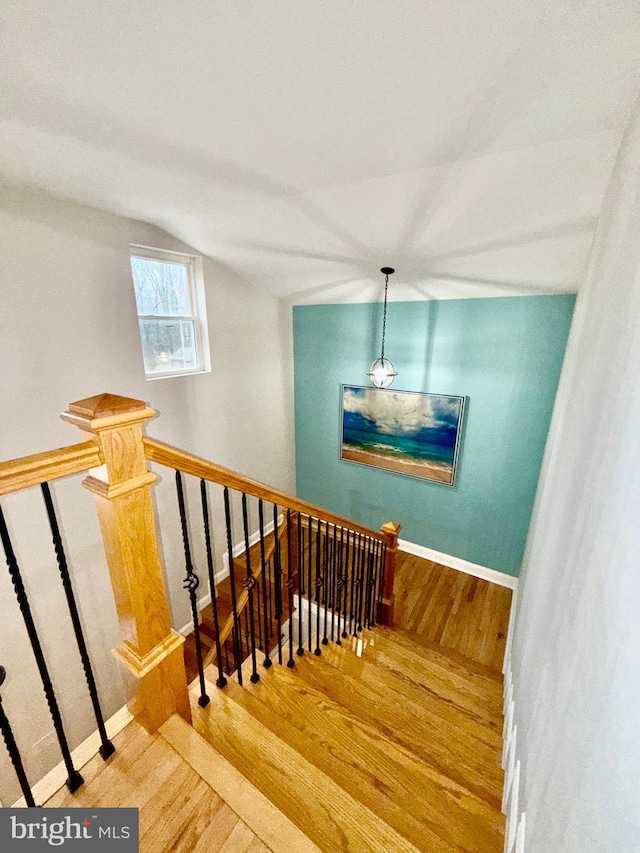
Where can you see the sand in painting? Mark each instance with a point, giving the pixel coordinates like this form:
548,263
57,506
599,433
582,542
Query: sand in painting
433,471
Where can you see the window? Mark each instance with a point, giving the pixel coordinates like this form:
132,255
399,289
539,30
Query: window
169,293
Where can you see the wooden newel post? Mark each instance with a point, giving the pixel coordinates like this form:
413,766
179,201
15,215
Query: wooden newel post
391,530
150,652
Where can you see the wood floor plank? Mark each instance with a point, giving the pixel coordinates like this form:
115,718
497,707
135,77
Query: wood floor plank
427,808
333,819
455,610
454,757
265,820
451,687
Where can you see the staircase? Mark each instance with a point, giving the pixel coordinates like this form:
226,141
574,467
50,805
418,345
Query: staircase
387,743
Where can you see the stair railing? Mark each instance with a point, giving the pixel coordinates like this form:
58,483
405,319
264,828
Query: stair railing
291,553
341,571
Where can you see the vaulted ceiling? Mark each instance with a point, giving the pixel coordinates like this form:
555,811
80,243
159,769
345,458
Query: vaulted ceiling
305,144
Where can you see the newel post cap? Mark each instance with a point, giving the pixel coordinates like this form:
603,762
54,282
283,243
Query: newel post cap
106,410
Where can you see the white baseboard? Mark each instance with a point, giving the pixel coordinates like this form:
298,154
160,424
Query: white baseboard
240,547
514,841
55,779
457,563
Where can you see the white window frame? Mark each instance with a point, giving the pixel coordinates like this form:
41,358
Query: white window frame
198,316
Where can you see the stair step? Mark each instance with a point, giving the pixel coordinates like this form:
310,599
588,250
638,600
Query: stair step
430,810
322,809
259,814
450,749
452,691
486,674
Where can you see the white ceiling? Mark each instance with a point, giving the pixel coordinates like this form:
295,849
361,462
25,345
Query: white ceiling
305,144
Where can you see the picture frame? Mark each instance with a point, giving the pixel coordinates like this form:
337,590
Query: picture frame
407,432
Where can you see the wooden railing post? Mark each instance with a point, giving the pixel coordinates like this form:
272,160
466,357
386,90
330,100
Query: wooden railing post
391,530
150,650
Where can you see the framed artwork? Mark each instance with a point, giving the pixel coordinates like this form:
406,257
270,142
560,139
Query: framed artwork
403,431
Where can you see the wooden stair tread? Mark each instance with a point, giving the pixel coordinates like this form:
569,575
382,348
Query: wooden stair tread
179,811
448,655
450,692
273,827
449,750
445,719
324,812
426,807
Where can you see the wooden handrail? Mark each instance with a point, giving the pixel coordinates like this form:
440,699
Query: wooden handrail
180,460
18,474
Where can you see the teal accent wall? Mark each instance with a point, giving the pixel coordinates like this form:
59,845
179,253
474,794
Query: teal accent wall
503,354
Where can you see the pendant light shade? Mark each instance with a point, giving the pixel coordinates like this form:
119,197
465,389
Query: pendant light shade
382,372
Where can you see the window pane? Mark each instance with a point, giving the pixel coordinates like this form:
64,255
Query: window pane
161,287
168,347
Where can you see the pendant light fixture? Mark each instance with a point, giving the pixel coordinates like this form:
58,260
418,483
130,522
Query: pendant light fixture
382,372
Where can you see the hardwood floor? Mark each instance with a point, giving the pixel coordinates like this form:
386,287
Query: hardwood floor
387,743
451,609
179,811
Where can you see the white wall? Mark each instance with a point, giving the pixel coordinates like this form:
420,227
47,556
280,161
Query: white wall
576,654
68,330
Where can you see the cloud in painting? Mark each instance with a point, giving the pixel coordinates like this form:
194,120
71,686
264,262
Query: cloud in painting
426,417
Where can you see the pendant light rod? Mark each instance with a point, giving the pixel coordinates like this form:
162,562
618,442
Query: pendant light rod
382,373
387,271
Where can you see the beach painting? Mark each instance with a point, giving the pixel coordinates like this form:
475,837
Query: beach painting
402,431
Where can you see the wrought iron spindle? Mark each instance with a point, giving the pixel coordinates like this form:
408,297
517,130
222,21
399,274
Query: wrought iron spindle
249,585
374,582
290,583
310,583
383,566
367,609
356,616
265,601
325,582
107,748
237,631
12,749
354,566
334,575
259,616
277,571
74,779
221,680
345,579
191,584
317,650
300,545
339,584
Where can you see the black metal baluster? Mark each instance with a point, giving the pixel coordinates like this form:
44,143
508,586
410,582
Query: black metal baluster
221,680
277,571
369,575
363,582
310,584
249,584
259,616
290,582
374,584
237,631
191,584
74,780
106,748
345,578
226,656
356,616
339,584
383,566
325,582
317,650
12,749
354,540
265,601
300,529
